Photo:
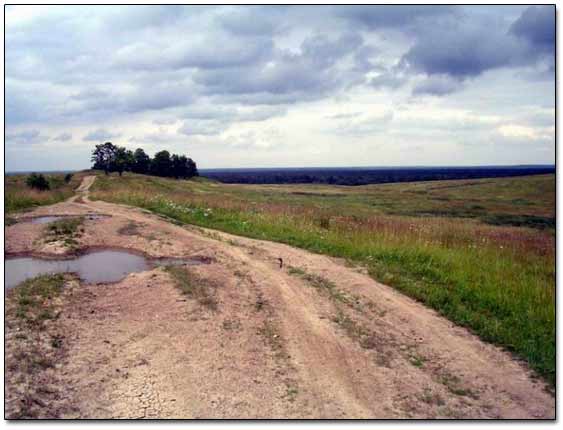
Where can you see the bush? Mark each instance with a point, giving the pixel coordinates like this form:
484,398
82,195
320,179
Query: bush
68,177
37,181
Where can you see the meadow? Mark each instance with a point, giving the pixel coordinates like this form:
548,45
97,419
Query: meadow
18,196
481,251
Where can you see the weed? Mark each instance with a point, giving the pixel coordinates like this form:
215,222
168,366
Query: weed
291,393
427,396
193,286
65,230
129,229
259,303
270,333
65,226
33,298
231,325
416,359
56,341
452,383
323,285
36,347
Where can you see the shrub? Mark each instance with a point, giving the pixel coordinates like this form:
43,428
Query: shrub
38,182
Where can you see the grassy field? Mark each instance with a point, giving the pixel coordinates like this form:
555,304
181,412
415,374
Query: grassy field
481,252
18,196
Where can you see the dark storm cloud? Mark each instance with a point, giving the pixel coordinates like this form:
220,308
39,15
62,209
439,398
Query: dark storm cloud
385,16
84,65
254,20
288,77
437,86
463,48
537,26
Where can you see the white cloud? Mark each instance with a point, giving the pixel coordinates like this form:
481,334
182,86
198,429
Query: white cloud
341,85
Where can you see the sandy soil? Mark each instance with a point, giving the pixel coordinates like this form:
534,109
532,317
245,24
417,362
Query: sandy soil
275,346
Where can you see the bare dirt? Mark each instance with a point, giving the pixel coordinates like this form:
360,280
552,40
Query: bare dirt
313,339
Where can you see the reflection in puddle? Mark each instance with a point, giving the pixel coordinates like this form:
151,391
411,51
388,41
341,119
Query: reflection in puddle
50,218
45,219
94,267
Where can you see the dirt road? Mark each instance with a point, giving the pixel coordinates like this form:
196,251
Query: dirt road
315,338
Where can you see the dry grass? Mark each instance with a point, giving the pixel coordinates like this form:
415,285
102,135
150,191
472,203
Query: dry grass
193,286
19,196
438,242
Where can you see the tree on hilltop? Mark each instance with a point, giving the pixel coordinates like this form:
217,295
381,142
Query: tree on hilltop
161,165
103,156
141,162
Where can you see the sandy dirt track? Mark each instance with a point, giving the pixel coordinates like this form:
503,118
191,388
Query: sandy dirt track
277,345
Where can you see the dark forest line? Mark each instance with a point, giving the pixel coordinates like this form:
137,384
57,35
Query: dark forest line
365,176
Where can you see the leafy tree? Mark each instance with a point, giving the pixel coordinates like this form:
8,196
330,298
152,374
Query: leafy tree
161,165
191,168
103,156
121,161
178,166
112,158
68,177
183,167
141,162
38,182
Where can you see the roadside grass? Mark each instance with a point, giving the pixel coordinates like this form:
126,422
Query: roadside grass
193,286
498,281
18,196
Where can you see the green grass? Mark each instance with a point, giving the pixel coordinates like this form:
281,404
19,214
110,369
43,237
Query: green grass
34,298
65,226
18,196
66,230
498,280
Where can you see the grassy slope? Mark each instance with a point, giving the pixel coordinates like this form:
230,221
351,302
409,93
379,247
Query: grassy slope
18,196
498,280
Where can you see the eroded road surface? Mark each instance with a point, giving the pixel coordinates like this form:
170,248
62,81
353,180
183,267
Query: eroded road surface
315,338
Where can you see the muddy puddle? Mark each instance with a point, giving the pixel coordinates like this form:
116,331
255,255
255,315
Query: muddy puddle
50,218
94,267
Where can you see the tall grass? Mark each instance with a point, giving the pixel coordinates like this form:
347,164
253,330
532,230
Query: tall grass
497,281
18,196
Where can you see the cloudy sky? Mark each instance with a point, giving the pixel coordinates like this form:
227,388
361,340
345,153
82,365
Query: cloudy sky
281,86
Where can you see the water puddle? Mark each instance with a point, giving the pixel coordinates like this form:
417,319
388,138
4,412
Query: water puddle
50,218
94,267
45,219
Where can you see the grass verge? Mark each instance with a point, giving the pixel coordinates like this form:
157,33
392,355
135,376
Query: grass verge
18,196
497,281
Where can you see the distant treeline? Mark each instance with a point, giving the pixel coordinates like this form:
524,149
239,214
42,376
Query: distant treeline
363,176
111,158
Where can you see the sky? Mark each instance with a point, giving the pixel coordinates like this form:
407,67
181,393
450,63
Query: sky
269,86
